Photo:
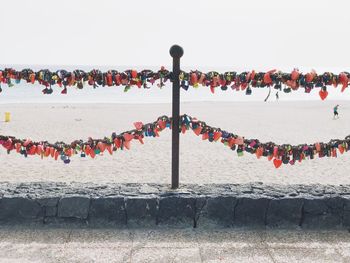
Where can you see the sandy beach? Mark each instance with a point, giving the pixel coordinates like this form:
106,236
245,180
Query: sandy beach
200,162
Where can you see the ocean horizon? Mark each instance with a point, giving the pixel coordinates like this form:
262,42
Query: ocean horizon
31,93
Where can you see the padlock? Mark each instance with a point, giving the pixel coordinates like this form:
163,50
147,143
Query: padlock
277,163
197,130
248,91
323,93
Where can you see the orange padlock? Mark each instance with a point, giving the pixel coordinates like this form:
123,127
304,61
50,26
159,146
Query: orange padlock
205,136
295,74
56,155
128,137
127,144
109,149
18,147
197,130
32,78
217,135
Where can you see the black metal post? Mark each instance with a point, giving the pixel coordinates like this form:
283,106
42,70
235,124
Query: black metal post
176,52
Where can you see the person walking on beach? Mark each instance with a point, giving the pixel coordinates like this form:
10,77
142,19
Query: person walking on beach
335,111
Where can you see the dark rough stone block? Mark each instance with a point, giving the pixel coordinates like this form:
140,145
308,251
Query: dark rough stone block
284,212
177,209
92,205
51,211
49,205
141,210
108,209
48,201
346,212
346,219
53,221
346,201
316,206
219,209
323,212
19,209
74,206
200,204
250,211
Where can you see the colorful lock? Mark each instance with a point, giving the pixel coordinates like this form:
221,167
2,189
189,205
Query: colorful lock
7,116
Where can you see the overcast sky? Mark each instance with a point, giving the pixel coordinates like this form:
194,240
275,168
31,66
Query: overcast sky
239,35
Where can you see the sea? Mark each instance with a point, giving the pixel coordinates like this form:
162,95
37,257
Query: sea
32,93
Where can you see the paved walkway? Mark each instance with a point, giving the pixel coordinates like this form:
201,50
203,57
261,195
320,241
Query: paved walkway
172,245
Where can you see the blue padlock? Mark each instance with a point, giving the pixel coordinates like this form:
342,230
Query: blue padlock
187,120
211,136
224,134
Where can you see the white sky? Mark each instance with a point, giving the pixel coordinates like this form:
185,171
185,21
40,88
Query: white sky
250,34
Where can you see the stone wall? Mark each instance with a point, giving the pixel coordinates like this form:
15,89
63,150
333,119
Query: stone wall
119,205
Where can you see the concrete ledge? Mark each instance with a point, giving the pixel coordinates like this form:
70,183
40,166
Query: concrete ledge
121,205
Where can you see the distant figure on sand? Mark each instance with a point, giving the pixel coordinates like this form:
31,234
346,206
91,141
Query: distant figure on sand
335,111
277,97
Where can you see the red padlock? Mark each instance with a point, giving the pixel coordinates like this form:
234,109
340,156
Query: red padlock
109,79
117,143
194,78
52,152
162,124
109,149
138,125
134,74
344,80
197,130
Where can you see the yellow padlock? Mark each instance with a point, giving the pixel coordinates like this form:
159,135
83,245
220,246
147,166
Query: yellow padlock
7,116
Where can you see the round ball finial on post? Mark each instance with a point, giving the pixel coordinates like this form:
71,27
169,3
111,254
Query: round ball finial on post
176,51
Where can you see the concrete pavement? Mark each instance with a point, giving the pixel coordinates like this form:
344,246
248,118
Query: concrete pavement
27,244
